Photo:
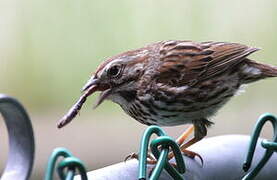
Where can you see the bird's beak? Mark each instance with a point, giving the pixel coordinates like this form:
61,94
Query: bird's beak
92,82
94,85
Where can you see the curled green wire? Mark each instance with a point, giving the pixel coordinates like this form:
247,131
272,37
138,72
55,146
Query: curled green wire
165,142
71,163
270,147
160,154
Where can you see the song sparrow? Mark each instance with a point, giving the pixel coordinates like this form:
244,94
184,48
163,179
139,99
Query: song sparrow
171,83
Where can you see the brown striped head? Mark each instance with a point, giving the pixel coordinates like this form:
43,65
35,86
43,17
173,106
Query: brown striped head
117,74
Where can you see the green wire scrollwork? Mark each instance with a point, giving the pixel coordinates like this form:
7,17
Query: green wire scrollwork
160,154
66,168
270,146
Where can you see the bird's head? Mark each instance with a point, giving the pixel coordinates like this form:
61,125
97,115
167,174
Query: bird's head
117,75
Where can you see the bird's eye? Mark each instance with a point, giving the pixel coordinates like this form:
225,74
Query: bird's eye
114,71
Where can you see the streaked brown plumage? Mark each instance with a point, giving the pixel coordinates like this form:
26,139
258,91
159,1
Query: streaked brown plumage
174,82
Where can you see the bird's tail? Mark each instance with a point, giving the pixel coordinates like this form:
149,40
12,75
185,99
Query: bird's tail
253,71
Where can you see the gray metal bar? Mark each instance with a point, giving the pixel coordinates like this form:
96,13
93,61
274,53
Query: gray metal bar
21,140
223,160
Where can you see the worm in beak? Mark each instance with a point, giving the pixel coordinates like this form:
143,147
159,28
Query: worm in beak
90,87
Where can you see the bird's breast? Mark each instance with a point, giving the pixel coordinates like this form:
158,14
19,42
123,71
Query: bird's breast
159,108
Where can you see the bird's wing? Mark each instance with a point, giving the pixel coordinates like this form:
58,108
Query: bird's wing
186,62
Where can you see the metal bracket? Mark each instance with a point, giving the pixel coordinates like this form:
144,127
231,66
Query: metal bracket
21,139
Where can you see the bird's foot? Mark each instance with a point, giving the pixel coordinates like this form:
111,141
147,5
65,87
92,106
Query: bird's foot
152,161
192,155
150,158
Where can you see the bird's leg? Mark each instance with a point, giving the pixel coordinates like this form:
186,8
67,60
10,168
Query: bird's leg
189,153
181,139
200,131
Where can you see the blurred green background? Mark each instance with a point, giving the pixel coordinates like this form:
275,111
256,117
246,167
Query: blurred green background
48,49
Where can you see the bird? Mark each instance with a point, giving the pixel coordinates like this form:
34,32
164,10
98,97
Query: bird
174,82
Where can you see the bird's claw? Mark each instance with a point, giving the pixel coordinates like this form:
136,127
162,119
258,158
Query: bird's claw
192,155
150,158
131,156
